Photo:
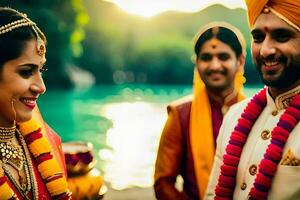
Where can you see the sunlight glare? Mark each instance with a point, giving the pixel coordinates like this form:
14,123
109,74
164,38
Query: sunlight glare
149,8
132,143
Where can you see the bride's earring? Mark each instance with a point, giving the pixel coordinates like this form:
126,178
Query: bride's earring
14,111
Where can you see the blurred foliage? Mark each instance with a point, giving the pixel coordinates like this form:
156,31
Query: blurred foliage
121,48
167,60
62,22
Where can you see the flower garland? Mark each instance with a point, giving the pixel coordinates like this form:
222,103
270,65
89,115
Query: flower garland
48,166
268,165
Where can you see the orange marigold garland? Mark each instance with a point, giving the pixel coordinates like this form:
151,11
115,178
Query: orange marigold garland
48,166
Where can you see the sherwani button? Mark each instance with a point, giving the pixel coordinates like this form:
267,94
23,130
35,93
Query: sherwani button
243,186
274,113
265,135
253,170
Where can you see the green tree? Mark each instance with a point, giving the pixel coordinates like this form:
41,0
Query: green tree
62,22
167,60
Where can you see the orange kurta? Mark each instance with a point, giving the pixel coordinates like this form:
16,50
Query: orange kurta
185,153
187,144
175,156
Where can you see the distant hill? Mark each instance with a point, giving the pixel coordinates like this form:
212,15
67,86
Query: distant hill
170,21
126,34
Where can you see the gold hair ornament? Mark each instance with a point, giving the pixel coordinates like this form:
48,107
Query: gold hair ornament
41,49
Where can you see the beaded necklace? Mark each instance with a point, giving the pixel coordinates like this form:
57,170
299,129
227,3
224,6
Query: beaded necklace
268,165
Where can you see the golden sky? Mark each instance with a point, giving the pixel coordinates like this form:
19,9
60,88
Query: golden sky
148,8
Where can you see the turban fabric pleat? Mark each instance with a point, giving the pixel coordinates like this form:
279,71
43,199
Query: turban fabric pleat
288,10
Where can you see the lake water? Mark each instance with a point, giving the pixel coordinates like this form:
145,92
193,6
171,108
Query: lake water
123,123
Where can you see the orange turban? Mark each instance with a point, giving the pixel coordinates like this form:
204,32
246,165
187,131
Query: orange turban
288,10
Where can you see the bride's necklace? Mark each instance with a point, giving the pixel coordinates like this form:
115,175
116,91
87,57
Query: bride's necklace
12,154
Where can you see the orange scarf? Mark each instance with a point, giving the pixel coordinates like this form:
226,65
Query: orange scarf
202,145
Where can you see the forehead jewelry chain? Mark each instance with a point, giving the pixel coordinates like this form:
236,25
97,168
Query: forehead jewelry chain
25,21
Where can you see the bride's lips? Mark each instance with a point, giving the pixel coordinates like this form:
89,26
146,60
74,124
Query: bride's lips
30,102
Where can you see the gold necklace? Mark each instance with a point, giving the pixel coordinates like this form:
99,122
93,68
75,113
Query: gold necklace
29,171
24,186
7,133
10,153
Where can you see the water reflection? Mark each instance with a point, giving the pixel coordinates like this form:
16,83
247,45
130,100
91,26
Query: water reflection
123,123
132,142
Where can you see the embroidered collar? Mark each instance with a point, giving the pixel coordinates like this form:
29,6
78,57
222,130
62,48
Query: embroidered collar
283,100
229,100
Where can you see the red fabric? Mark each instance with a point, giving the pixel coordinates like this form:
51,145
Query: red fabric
44,157
2,180
57,176
32,137
56,146
217,117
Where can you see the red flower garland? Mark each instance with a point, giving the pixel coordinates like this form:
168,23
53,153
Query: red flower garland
268,165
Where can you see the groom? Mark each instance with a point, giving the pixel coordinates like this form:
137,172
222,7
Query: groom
258,152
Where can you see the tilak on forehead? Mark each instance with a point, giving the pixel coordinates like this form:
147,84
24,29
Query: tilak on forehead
25,21
215,26
214,40
287,10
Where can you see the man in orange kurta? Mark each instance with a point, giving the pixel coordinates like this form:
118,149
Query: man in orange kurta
187,144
